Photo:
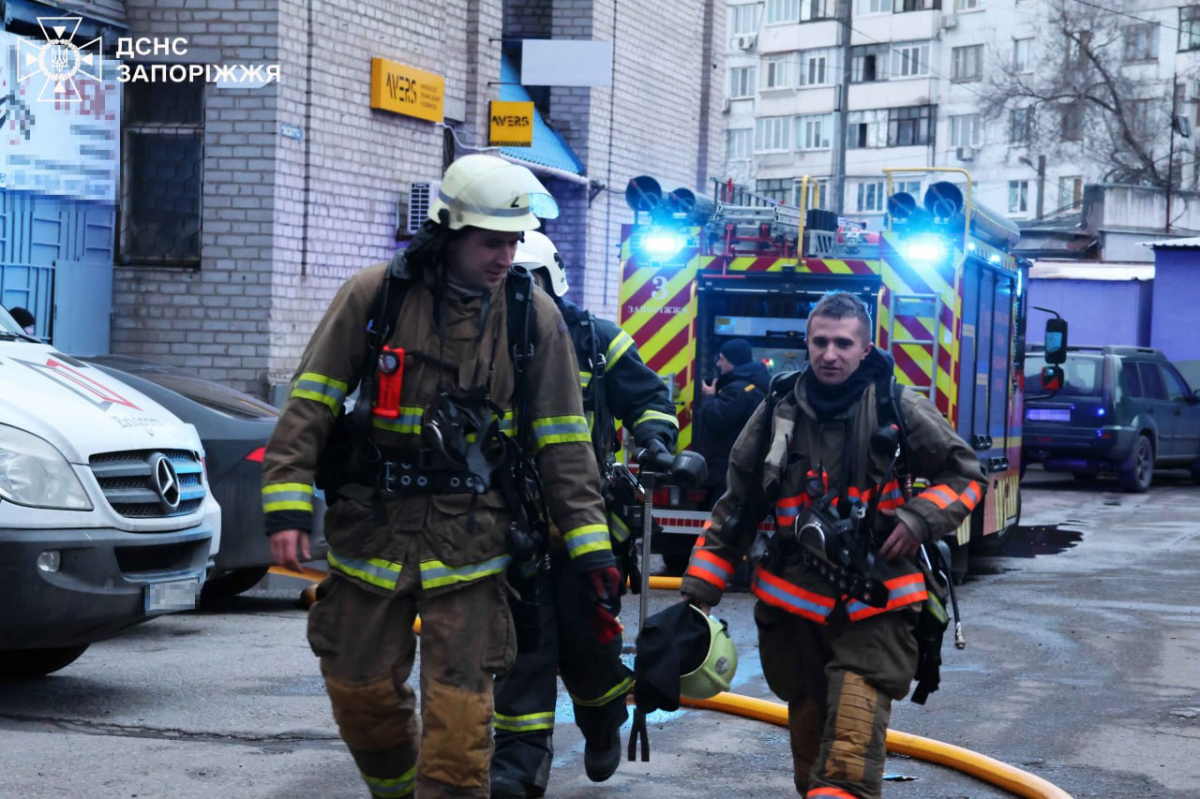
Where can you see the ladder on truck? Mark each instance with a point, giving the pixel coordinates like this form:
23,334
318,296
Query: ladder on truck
917,306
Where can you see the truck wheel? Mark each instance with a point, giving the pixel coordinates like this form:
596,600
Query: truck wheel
29,664
676,552
233,583
1136,478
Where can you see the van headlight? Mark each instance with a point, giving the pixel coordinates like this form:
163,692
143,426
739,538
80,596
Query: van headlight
34,473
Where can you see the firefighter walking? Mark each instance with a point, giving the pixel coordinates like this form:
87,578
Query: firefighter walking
418,521
616,385
824,462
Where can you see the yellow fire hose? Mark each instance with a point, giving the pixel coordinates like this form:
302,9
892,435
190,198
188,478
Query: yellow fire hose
1012,779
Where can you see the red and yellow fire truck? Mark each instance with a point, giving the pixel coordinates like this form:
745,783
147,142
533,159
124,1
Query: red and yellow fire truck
947,296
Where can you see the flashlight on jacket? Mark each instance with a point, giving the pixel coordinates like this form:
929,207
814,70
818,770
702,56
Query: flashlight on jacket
391,376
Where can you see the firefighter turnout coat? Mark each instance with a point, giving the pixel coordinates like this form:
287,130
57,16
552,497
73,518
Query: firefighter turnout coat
452,539
800,443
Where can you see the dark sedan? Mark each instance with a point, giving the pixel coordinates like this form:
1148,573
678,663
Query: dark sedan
234,428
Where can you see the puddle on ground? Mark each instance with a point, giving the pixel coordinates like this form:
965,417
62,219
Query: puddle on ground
1041,539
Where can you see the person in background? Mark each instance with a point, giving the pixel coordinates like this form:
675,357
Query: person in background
23,318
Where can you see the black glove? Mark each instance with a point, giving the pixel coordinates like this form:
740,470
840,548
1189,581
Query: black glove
656,456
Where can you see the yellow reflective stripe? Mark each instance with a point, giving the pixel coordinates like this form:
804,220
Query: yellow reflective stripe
616,348
435,574
560,430
287,496
395,786
585,378
320,388
589,538
620,531
658,416
408,422
527,723
618,690
376,571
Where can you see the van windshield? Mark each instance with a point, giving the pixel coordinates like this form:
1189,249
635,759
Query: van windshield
8,324
1083,375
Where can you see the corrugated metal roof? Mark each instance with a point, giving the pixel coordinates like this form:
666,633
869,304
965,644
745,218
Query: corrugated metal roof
1090,270
1192,243
548,149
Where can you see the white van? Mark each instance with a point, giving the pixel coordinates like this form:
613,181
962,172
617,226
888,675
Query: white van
105,518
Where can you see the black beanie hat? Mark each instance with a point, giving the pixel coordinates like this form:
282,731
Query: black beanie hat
737,351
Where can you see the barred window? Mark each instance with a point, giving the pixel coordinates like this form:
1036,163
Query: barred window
909,126
163,133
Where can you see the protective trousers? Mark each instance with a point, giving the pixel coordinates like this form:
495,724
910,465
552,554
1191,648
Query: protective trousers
839,682
366,645
594,675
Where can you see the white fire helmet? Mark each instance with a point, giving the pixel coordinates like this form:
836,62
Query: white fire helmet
487,192
538,252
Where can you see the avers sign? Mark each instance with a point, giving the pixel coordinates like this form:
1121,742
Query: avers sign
406,90
511,124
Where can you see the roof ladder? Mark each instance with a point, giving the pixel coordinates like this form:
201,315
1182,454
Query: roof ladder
920,306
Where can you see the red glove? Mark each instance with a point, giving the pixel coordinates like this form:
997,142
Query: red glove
604,584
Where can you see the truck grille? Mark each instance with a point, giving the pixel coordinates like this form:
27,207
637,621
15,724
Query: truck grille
150,484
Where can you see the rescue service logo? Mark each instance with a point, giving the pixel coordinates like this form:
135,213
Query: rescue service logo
78,383
60,60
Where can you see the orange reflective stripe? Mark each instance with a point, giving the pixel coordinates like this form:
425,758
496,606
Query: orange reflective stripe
792,598
700,571
939,495
835,793
715,560
902,591
970,497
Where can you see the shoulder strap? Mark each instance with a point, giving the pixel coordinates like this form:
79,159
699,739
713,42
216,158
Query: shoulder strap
380,327
887,411
518,290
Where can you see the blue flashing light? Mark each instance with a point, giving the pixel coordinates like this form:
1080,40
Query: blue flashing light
1100,411
994,258
925,250
662,244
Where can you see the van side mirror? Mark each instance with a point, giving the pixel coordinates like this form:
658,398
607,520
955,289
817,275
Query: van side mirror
1056,340
1193,398
1052,378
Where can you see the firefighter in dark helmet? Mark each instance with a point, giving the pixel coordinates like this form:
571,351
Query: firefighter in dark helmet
421,520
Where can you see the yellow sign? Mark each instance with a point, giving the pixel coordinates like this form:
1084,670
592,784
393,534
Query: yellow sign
408,91
512,124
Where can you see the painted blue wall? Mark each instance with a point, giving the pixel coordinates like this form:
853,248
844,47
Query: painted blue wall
1099,312
1175,328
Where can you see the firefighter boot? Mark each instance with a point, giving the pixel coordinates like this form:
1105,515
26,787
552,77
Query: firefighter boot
600,764
806,721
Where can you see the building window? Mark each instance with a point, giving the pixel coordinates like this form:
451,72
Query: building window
1070,192
1072,122
912,187
816,9
965,131
870,196
739,143
744,19
910,59
917,5
1023,55
1141,42
775,72
1142,115
967,5
910,126
874,7
967,62
741,82
867,63
866,129
1018,196
782,11
1079,45
819,192
776,189
812,132
1189,27
1020,125
163,132
814,67
771,134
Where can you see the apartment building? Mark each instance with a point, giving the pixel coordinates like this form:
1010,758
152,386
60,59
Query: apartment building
829,90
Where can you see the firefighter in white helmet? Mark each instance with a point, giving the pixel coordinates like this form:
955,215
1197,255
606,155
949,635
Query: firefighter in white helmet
420,520
617,385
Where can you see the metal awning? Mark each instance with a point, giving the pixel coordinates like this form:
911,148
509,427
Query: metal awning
1043,269
1192,243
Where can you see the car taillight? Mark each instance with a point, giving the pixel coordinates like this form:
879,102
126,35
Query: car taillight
257,455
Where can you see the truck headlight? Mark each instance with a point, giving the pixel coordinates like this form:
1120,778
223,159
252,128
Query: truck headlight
34,473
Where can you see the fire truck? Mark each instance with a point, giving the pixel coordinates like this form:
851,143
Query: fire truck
947,295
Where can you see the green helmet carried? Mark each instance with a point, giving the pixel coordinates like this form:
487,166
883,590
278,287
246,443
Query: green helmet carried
715,672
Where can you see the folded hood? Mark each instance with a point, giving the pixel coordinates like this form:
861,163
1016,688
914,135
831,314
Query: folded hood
79,409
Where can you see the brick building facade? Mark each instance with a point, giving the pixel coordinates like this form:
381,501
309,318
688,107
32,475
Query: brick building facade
286,220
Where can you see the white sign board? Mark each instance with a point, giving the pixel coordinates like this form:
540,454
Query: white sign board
65,147
566,62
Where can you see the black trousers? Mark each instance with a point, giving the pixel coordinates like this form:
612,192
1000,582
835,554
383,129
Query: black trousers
593,674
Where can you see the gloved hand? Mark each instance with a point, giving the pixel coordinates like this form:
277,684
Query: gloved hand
603,586
655,456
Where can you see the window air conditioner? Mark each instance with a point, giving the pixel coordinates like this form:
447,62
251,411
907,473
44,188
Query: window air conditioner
421,194
746,42
965,154
949,22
